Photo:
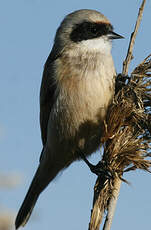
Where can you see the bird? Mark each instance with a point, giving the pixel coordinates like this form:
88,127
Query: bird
76,90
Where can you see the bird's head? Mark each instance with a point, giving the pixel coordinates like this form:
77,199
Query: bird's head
87,29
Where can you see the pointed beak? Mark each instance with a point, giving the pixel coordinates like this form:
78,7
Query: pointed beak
113,35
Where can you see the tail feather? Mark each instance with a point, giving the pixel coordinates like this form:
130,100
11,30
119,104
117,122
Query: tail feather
45,174
26,208
29,201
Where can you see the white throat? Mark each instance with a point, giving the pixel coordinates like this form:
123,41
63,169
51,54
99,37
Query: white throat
101,45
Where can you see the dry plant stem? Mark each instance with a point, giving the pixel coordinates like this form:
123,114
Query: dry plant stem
132,40
112,204
117,183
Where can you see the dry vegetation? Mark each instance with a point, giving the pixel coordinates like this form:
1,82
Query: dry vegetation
127,135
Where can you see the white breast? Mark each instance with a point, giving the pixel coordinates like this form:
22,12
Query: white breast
84,90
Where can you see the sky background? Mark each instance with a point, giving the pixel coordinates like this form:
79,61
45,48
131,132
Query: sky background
27,29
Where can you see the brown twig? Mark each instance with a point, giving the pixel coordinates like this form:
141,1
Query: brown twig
112,203
132,40
106,191
117,182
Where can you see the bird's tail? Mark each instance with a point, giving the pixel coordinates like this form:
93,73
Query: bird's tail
40,181
43,176
46,172
28,204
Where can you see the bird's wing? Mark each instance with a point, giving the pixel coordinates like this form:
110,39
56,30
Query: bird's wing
47,91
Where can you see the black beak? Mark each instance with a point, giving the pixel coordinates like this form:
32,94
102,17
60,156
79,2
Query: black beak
113,35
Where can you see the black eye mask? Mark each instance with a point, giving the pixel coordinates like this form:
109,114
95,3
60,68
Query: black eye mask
89,30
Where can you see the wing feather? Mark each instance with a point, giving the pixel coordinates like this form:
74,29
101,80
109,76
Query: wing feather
47,92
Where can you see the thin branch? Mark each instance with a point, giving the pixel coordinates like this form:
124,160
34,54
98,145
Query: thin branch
117,183
106,191
112,204
129,56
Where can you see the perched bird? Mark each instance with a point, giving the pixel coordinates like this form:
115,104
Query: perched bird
76,90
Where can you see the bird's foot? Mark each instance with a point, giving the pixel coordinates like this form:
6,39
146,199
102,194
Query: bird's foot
97,169
100,171
120,81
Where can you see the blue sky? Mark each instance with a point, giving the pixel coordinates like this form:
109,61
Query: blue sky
27,31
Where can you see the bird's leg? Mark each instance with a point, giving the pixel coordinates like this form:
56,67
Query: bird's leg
97,169
86,160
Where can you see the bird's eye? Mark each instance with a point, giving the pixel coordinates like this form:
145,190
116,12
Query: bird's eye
89,30
93,29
